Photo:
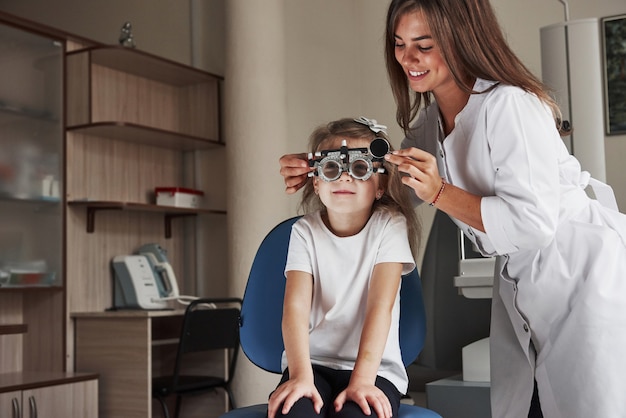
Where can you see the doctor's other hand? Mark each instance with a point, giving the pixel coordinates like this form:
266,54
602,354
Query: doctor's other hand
295,169
420,169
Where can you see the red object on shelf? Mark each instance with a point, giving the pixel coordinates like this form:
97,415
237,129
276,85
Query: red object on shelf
178,197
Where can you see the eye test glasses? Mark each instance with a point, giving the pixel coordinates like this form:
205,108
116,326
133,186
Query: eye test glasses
357,162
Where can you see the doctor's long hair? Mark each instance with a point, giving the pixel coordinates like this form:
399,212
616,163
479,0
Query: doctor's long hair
395,199
472,45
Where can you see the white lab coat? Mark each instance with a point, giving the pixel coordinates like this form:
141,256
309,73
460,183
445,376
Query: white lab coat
559,304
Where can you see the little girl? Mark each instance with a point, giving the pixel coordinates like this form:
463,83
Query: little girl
346,258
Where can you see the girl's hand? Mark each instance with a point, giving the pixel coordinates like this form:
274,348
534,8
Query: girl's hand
294,168
421,169
291,391
368,397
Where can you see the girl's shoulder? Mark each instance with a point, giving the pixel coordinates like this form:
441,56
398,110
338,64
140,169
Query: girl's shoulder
387,218
310,220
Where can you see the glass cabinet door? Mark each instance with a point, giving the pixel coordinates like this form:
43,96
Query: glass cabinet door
31,159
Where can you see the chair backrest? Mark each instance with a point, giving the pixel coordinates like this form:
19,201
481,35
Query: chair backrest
209,324
262,307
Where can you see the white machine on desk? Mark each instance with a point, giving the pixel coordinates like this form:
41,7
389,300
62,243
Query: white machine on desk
475,281
145,280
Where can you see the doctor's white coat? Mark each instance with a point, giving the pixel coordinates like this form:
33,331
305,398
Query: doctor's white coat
559,303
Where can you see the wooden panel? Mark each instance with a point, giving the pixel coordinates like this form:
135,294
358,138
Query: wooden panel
11,345
124,97
44,343
119,350
77,89
8,402
103,169
200,111
84,399
73,45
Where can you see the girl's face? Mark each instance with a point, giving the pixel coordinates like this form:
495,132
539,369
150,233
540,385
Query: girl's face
418,55
348,195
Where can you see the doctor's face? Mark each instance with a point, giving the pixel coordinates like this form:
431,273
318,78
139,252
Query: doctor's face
419,56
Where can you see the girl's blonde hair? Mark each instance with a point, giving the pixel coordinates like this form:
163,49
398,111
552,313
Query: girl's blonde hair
396,197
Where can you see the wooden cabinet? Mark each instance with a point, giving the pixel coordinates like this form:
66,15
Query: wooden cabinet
49,396
33,282
32,276
87,132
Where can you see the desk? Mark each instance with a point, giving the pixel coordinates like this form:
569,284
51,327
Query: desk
119,346
455,398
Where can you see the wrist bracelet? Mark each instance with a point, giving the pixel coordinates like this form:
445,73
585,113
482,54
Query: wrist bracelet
443,186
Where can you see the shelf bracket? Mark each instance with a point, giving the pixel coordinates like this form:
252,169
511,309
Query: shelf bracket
91,216
168,222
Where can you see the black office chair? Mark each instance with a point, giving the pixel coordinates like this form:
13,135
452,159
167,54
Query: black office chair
208,325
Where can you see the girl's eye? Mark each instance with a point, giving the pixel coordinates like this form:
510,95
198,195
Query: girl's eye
424,48
397,45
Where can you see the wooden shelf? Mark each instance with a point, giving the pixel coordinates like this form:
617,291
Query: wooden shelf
13,329
31,288
145,135
170,212
29,380
146,65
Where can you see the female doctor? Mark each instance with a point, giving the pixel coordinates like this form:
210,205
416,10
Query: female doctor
487,151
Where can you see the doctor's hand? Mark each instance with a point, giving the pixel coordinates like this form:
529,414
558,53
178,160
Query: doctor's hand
294,168
285,395
367,397
422,174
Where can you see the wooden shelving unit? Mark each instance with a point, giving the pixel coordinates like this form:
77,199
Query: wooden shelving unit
135,122
122,123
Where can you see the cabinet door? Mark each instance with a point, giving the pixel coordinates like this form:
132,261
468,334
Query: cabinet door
69,400
31,166
11,404
31,195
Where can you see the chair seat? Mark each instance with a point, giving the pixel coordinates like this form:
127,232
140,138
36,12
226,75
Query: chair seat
162,386
260,411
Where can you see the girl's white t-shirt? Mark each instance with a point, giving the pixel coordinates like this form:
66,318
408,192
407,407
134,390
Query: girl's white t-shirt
342,268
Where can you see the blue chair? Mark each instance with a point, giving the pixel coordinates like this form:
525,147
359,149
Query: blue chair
261,315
